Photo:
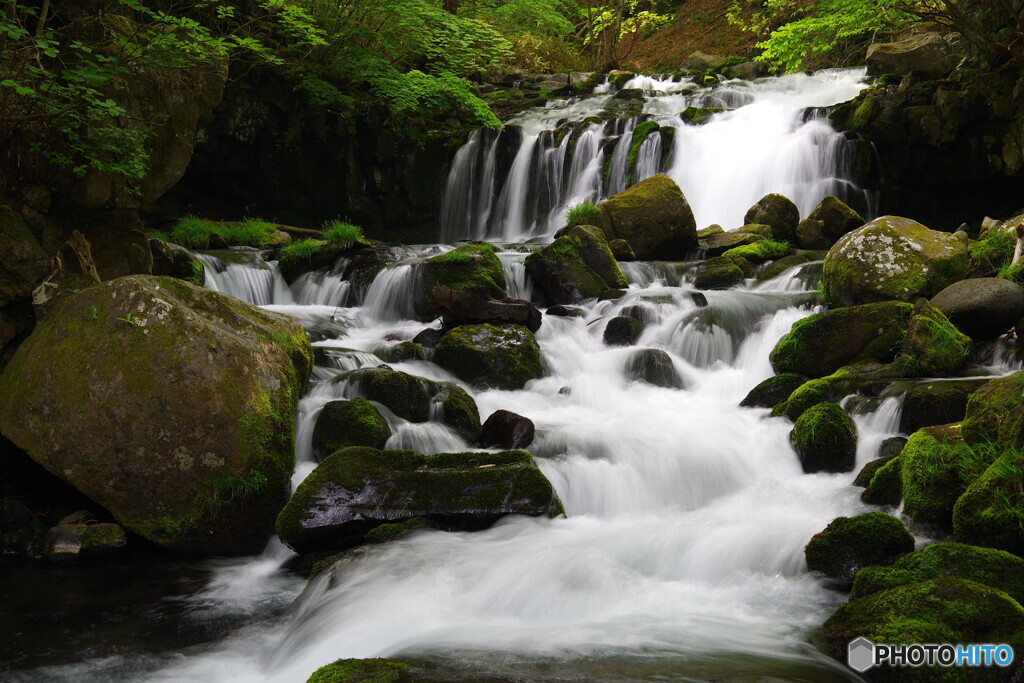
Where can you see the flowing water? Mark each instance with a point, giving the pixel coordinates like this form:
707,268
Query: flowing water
681,557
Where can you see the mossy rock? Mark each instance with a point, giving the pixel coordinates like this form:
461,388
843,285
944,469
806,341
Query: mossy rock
893,258
942,610
355,422
932,347
820,344
362,671
654,217
653,366
355,490
825,438
773,390
640,134
720,272
886,485
934,403
174,261
623,331
401,352
489,356
721,242
153,384
324,255
621,250
707,232
849,543
23,262
867,473
990,513
578,265
810,234
467,265
698,116
995,412
779,212
994,568
808,395
762,251
777,268
836,218
72,543
936,468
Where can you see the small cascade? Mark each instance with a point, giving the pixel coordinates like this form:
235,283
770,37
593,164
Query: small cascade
244,274
764,142
323,287
519,284
391,294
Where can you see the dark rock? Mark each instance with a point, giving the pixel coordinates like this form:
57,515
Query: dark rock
622,331
612,295
825,438
982,308
174,261
71,543
773,390
576,266
621,250
928,54
355,422
702,61
932,347
810,234
468,265
653,366
867,473
720,272
506,430
779,212
933,473
566,311
849,543
654,217
836,220
357,489
935,403
403,351
721,242
474,305
489,356
699,298
429,337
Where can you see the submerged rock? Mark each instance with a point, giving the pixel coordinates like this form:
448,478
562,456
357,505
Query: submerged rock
488,356
654,217
361,671
653,366
623,331
893,258
152,384
849,543
773,390
357,489
577,265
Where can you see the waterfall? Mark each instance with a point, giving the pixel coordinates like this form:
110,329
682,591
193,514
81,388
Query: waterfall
764,142
244,274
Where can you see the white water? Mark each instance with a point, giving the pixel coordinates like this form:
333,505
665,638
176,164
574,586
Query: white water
762,145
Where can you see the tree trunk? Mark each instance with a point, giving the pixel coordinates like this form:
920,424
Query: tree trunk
451,6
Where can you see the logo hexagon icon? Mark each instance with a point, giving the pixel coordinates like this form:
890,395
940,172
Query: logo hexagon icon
860,654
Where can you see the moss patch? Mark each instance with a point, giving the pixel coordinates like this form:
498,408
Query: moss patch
361,671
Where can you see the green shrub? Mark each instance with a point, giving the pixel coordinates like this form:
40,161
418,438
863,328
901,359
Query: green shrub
338,231
586,213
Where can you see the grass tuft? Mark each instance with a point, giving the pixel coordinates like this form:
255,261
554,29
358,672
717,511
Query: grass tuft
586,213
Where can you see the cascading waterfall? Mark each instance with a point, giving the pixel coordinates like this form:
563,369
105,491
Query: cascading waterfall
765,142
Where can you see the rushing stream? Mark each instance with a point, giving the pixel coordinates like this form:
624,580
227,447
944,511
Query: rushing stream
682,554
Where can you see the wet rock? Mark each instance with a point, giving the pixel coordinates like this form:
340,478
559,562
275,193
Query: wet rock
777,211
152,384
576,266
773,390
489,356
467,265
566,311
623,331
653,366
355,422
934,403
836,219
654,217
474,305
825,439
507,430
621,250
361,670
718,273
429,337
982,308
810,234
403,351
355,490
71,543
719,243
849,543
170,259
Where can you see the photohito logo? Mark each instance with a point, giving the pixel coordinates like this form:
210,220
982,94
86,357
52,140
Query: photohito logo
862,654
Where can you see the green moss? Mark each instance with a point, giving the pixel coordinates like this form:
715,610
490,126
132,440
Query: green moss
355,422
991,253
392,532
486,355
995,412
459,411
825,438
932,346
993,568
361,671
298,252
774,390
849,543
759,252
404,351
886,486
698,116
195,233
991,510
468,265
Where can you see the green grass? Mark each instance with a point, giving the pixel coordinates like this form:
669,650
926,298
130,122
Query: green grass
339,231
586,213
299,250
195,233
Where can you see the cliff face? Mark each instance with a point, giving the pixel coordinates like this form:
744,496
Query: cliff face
947,151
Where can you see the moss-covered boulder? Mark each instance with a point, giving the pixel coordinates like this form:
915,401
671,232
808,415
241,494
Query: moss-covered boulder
990,512
934,403
653,366
401,352
170,259
849,543
886,484
936,467
995,412
867,473
773,390
982,308
152,384
621,250
893,258
810,234
577,265
654,217
475,306
341,424
416,399
780,266
836,218
825,438
719,243
777,211
932,347
357,489
465,266
720,272
762,251
361,671
820,344
489,356
993,568
623,331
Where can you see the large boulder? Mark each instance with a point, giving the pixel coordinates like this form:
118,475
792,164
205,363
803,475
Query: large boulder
489,356
994,568
357,489
623,331
932,347
702,61
934,403
893,258
941,610
721,242
577,265
928,54
474,264
720,272
475,305
820,344
835,220
654,217
849,543
777,211
150,384
825,439
995,412
982,308
341,424
935,469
